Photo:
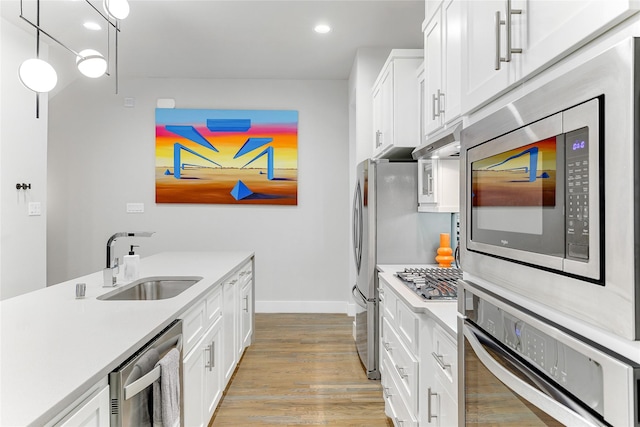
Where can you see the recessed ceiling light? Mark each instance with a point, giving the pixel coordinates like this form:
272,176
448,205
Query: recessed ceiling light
322,28
90,25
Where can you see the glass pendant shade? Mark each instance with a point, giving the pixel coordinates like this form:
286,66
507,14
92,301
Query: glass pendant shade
91,63
118,9
37,75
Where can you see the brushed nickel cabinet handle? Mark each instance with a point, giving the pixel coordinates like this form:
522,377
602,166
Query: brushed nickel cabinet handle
430,394
385,392
440,360
507,23
510,12
497,23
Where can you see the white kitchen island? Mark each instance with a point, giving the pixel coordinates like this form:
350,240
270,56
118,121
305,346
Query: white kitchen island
55,347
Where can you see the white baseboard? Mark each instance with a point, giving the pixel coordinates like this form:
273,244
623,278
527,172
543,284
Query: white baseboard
303,307
351,309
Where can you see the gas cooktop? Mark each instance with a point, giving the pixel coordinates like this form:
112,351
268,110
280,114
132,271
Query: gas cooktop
432,283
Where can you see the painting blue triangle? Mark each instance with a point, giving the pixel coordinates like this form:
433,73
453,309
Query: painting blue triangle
240,191
168,172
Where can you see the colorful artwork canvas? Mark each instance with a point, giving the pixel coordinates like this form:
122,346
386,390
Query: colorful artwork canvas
525,176
227,156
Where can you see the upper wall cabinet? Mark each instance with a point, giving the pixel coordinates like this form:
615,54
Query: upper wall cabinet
443,59
396,104
508,40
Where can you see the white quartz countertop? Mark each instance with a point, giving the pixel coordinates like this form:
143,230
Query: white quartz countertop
443,312
54,346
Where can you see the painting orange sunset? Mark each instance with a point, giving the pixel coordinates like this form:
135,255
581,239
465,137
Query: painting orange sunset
525,176
226,156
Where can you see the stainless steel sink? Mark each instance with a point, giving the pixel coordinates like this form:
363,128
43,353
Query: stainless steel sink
151,288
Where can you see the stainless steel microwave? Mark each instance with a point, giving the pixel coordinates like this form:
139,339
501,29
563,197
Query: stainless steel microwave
535,193
550,191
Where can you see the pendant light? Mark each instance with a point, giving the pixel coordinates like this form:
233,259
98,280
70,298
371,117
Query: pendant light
118,9
91,63
37,75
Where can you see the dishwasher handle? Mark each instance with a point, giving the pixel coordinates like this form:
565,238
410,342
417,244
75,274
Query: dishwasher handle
145,381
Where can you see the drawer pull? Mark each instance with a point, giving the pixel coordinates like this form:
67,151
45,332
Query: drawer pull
430,394
399,422
402,372
387,345
440,360
246,304
385,392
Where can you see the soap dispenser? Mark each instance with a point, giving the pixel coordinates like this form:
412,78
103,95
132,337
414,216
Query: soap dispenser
131,265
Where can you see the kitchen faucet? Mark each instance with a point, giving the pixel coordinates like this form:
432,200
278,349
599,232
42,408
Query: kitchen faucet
109,279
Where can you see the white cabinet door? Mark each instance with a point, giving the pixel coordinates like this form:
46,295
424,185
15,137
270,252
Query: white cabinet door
385,127
545,31
230,327
193,369
452,14
377,118
202,378
213,384
481,81
93,413
246,319
433,73
552,28
443,59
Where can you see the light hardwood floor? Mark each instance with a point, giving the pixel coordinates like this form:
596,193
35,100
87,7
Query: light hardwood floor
302,369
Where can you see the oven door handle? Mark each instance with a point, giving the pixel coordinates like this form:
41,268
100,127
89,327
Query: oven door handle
551,399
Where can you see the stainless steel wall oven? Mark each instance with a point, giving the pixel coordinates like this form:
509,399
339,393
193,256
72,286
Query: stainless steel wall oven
519,369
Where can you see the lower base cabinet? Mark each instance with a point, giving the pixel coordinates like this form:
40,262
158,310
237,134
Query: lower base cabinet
94,412
202,382
418,365
222,325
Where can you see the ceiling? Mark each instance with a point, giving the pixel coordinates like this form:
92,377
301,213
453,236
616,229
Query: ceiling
261,39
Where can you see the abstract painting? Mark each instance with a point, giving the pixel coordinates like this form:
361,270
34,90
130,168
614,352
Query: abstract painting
227,156
525,176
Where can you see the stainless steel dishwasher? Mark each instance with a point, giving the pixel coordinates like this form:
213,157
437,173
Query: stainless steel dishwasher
131,385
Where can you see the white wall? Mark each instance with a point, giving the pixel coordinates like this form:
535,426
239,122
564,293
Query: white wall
23,158
101,156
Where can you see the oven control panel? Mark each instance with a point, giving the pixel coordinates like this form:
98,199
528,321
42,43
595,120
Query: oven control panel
577,194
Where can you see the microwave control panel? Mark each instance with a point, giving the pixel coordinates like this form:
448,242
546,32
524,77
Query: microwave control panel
577,194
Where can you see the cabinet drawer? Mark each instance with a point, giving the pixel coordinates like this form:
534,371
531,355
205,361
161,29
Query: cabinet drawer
245,273
193,325
408,325
213,303
445,358
389,301
403,366
395,406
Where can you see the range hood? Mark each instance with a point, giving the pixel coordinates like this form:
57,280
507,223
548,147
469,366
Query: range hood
443,145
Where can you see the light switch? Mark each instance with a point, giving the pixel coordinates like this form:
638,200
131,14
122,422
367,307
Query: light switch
135,207
35,208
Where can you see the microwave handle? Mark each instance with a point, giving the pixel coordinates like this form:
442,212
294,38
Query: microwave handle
553,401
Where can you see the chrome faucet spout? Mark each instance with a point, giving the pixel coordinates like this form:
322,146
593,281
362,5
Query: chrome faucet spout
113,238
108,276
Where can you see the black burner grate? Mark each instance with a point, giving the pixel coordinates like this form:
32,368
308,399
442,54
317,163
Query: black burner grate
432,283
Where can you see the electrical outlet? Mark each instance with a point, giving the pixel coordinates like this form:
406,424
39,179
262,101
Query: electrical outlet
135,207
35,208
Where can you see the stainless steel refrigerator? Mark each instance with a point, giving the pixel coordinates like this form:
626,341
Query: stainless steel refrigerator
387,229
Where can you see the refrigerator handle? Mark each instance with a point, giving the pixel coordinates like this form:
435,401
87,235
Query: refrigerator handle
359,298
357,227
